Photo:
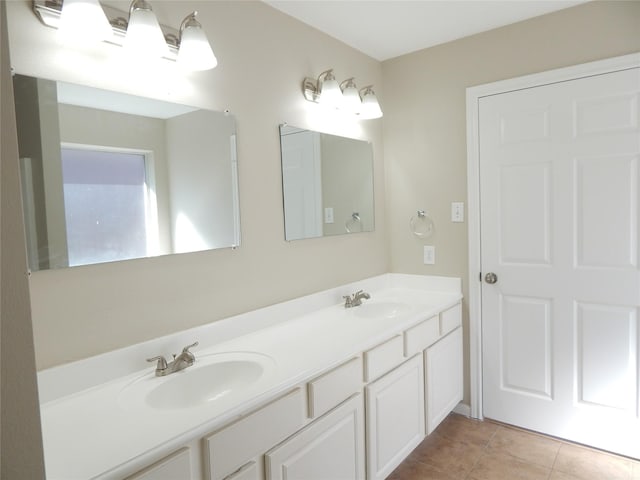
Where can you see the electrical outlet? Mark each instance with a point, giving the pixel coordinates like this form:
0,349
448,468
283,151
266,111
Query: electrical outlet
429,255
457,211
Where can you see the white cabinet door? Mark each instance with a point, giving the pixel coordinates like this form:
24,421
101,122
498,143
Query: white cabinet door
250,471
395,417
230,448
443,367
332,447
176,465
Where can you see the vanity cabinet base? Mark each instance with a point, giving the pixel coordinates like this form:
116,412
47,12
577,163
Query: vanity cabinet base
444,378
395,417
331,447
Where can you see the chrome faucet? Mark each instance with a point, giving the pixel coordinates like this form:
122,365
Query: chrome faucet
180,362
355,300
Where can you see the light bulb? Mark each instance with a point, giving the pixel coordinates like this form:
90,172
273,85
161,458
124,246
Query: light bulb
84,20
330,93
144,35
370,106
195,52
350,97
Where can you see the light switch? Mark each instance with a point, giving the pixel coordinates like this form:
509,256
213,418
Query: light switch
328,215
457,211
429,255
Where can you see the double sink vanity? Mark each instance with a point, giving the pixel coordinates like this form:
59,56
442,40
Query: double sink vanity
305,389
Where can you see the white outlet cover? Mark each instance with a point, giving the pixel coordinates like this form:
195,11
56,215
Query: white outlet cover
429,255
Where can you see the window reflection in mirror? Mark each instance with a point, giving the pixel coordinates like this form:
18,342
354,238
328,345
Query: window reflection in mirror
327,184
108,176
108,215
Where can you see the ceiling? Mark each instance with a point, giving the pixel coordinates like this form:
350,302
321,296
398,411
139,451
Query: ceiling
385,29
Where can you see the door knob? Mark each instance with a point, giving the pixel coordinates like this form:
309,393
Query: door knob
491,277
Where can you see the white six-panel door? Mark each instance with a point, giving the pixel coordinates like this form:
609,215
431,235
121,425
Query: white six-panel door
559,228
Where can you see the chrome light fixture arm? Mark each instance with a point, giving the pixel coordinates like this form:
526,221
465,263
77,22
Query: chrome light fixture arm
311,88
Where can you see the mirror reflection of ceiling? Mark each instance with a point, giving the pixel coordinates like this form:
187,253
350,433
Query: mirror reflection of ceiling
327,184
83,96
108,176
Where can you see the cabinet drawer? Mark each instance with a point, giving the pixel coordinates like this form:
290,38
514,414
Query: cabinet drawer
450,319
330,389
176,465
233,446
379,360
417,338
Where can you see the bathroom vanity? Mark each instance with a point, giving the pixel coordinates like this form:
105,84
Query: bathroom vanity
300,390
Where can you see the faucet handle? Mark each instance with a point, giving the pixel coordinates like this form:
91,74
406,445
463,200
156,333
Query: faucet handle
162,363
186,349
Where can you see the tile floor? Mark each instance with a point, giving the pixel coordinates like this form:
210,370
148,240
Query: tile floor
466,449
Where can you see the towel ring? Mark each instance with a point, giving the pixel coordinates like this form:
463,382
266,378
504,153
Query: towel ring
353,224
421,225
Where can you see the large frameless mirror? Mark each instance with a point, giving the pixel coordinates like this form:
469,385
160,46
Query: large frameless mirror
327,184
108,176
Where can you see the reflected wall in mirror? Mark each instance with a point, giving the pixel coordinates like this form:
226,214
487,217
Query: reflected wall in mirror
108,176
327,183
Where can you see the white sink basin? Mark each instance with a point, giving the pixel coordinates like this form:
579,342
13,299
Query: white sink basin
211,378
381,309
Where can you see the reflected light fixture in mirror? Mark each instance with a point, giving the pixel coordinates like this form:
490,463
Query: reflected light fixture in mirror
344,96
84,20
144,36
137,30
195,51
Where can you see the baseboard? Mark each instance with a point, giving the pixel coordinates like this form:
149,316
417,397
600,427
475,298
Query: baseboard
463,409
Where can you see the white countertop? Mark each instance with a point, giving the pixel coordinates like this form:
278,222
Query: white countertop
97,433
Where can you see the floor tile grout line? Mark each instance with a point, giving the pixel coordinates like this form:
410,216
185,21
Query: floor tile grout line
465,432
555,459
485,450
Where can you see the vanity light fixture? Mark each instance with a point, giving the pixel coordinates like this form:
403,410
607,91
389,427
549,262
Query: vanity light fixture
329,93
144,36
138,30
344,96
350,96
325,90
84,20
370,106
195,52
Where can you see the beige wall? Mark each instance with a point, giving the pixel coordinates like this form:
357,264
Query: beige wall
263,57
425,123
20,437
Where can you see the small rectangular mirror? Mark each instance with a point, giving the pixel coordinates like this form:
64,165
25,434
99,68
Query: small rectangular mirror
327,184
108,176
